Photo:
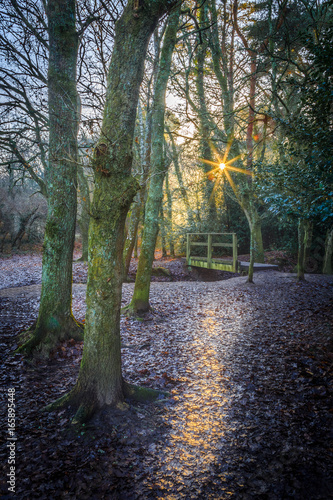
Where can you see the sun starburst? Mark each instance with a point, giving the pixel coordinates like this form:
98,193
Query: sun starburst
223,166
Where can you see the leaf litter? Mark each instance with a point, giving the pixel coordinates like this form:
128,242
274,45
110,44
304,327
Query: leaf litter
249,372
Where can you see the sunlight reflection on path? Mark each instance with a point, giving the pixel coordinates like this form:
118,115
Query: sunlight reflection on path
197,420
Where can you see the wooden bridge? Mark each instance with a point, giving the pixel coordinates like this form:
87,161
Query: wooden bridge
211,250
206,251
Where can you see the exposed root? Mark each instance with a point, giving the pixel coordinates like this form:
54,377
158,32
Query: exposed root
83,414
59,403
41,339
141,394
86,406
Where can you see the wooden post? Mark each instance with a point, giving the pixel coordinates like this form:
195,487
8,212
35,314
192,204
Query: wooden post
234,253
209,251
188,248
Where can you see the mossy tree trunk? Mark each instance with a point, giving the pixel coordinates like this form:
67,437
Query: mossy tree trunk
327,265
256,244
140,299
204,120
133,230
55,320
169,211
83,212
163,232
100,379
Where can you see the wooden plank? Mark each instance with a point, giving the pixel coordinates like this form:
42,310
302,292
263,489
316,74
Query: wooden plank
244,266
218,266
198,244
188,248
226,245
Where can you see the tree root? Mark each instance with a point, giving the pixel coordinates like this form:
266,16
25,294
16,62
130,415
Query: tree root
86,406
84,410
41,339
59,403
83,414
142,394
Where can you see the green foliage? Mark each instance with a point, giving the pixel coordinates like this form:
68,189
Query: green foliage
300,183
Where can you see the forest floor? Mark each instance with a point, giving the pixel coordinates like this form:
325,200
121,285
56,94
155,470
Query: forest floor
249,371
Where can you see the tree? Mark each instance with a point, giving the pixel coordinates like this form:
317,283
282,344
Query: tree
100,380
55,320
140,299
300,181
23,90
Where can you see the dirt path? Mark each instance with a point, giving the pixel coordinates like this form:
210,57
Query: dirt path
249,368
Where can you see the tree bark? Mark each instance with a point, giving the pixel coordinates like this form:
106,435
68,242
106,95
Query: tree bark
84,210
204,123
100,379
140,299
169,212
308,230
55,320
162,232
133,230
327,265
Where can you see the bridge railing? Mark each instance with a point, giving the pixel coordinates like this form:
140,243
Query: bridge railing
208,260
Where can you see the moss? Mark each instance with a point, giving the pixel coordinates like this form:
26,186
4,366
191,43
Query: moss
51,229
142,394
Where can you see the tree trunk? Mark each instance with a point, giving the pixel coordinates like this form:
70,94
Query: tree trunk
133,230
140,299
256,245
301,250
84,210
163,232
204,123
327,266
169,211
55,320
308,229
136,243
100,379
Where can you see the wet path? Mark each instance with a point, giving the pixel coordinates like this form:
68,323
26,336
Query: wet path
241,424
249,416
